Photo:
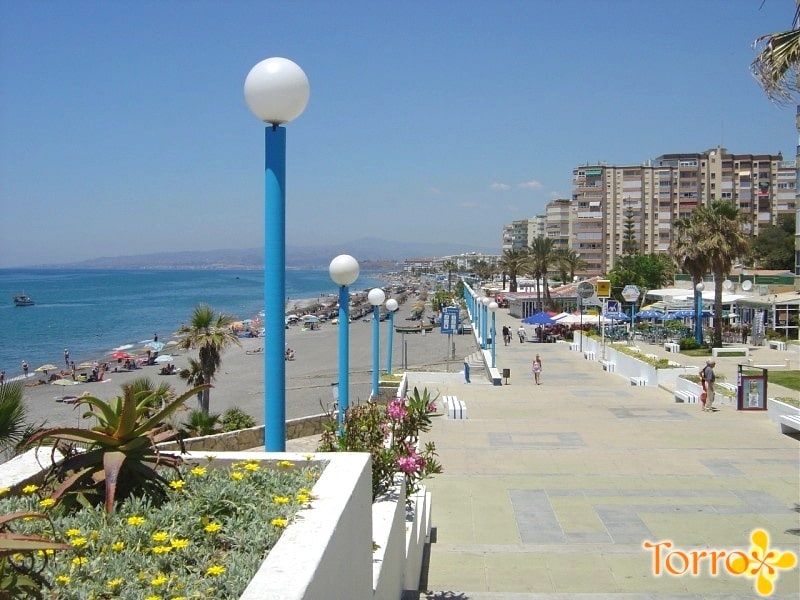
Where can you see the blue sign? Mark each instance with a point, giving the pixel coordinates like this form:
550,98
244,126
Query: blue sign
450,319
612,307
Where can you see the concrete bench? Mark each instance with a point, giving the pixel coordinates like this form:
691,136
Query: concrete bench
732,351
608,366
455,408
777,345
638,380
589,355
790,423
672,347
686,397
495,376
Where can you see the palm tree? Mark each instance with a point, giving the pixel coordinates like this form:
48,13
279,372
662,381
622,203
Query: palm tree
13,415
569,262
724,242
685,250
210,333
541,257
449,266
775,67
512,264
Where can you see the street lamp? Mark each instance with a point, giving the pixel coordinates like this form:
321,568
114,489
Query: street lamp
493,309
344,271
485,320
391,306
698,314
276,91
376,297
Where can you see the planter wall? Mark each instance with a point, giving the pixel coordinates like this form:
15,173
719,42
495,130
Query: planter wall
777,409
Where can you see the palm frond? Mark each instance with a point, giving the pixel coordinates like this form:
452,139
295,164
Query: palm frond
775,66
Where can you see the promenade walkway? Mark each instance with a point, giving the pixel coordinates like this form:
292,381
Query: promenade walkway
550,491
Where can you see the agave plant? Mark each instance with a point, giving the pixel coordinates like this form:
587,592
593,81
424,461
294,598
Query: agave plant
19,569
120,456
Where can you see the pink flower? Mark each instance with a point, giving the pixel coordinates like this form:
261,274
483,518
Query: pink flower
432,407
397,410
407,464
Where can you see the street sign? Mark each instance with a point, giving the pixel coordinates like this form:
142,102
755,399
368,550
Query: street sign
603,288
612,307
585,290
450,319
630,293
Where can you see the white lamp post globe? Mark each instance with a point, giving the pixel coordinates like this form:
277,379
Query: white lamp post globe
493,306
486,300
376,296
700,287
344,269
276,90
391,305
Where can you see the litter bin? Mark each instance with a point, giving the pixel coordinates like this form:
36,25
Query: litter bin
506,374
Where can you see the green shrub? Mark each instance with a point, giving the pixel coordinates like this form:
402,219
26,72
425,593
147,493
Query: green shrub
689,343
235,418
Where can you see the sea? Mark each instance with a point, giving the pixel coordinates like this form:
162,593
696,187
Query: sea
92,312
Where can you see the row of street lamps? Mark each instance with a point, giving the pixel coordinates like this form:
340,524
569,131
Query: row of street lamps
479,309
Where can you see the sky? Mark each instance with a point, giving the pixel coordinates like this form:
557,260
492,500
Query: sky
124,130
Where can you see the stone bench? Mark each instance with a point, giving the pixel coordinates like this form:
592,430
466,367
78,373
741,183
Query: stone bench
672,347
732,351
455,408
638,380
777,345
589,355
686,397
790,423
608,366
495,376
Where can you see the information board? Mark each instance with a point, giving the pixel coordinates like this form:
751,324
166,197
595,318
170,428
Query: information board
450,319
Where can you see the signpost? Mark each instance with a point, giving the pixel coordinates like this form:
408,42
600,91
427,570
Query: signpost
630,293
450,322
603,292
585,290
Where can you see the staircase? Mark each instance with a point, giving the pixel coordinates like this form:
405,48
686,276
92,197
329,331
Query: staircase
477,368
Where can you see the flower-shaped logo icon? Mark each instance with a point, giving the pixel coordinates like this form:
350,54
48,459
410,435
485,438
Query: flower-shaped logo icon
763,564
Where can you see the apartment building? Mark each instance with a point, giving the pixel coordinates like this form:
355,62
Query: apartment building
557,222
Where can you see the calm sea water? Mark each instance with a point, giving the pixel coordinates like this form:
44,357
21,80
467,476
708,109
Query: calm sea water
92,312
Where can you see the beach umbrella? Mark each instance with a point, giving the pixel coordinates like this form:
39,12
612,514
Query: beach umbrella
155,346
616,317
540,318
85,365
47,367
64,382
120,355
164,358
311,319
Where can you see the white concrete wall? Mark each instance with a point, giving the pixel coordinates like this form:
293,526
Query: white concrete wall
388,533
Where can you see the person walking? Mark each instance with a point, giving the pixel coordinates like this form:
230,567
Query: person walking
66,357
506,335
708,378
521,333
25,368
536,367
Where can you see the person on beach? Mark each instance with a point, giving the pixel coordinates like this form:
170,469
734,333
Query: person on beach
521,333
155,336
25,368
536,367
66,357
2,378
708,377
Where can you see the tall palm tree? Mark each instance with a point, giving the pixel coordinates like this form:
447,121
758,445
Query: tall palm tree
512,264
13,415
541,257
724,243
685,250
449,266
210,333
775,67
569,262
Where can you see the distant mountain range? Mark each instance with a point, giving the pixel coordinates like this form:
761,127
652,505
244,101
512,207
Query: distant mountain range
367,250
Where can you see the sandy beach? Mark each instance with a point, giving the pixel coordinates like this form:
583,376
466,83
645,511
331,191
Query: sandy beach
240,379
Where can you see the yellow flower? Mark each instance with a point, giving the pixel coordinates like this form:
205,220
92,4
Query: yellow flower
160,580
160,536
80,560
303,499
78,542
177,484
179,543
63,579
236,476
161,549
198,471
308,456
286,464
135,521
304,491
48,552
252,467
47,503
4,490
280,500
94,535
212,527
153,598
118,546
215,570
29,489
72,532
114,583
279,522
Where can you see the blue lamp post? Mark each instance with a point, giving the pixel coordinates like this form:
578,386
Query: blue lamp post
479,318
391,306
276,91
493,309
485,320
344,271
698,314
376,297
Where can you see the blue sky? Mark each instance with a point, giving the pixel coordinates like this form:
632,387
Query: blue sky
123,126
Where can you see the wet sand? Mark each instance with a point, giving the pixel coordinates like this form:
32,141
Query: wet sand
240,378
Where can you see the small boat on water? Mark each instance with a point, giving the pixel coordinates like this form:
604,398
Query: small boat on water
23,300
